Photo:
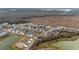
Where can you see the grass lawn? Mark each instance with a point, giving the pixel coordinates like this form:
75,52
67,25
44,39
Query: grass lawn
9,41
67,45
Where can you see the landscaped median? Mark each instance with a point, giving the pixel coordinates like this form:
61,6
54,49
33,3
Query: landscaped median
9,41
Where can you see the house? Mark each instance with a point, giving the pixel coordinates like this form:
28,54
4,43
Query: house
29,33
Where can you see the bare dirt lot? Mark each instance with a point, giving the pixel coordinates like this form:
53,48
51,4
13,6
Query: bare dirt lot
58,20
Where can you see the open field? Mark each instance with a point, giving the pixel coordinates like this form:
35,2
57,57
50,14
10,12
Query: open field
72,44
52,20
3,38
71,21
9,41
67,45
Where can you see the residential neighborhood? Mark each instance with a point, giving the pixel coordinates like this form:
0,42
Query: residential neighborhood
33,34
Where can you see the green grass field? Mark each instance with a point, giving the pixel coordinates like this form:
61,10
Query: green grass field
67,45
72,44
7,42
